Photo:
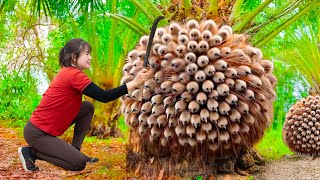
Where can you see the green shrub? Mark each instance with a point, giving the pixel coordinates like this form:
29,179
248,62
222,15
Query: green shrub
19,97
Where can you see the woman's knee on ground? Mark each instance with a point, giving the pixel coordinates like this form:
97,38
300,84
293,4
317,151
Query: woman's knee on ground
78,164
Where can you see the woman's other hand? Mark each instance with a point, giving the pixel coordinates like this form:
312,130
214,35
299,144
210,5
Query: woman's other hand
140,78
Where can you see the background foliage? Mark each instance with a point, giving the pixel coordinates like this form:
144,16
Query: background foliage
32,33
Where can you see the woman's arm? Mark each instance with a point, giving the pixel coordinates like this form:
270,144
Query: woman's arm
95,92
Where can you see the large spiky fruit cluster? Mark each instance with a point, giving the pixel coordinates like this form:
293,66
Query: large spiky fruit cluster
211,90
301,130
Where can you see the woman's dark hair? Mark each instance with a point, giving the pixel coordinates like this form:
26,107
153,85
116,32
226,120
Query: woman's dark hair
74,47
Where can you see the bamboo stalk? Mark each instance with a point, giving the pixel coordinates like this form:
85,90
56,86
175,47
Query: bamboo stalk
236,10
284,25
247,19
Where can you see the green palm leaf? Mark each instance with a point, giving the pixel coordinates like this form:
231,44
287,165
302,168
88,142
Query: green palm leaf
143,10
133,25
281,12
112,36
6,5
38,5
285,24
248,17
305,56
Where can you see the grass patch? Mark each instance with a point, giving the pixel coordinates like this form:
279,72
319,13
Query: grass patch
122,125
107,141
272,146
123,128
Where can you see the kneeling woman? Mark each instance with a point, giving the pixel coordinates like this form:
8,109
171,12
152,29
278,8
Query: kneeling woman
61,106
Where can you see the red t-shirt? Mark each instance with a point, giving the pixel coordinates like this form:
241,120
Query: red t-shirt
61,102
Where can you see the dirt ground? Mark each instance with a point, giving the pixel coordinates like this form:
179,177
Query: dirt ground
291,167
111,166
112,160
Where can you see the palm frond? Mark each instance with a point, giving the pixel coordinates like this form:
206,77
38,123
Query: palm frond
86,6
280,13
164,2
213,8
248,17
130,23
287,23
6,6
44,5
305,56
187,4
143,10
155,12
236,10
112,35
153,8
126,45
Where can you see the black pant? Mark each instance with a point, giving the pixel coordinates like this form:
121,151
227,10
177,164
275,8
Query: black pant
57,151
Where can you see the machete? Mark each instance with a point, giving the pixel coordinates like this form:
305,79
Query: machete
153,31
146,57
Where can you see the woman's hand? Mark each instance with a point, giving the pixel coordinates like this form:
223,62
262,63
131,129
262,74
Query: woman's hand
140,78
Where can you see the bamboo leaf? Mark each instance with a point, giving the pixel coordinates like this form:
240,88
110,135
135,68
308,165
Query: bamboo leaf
130,24
247,19
284,25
